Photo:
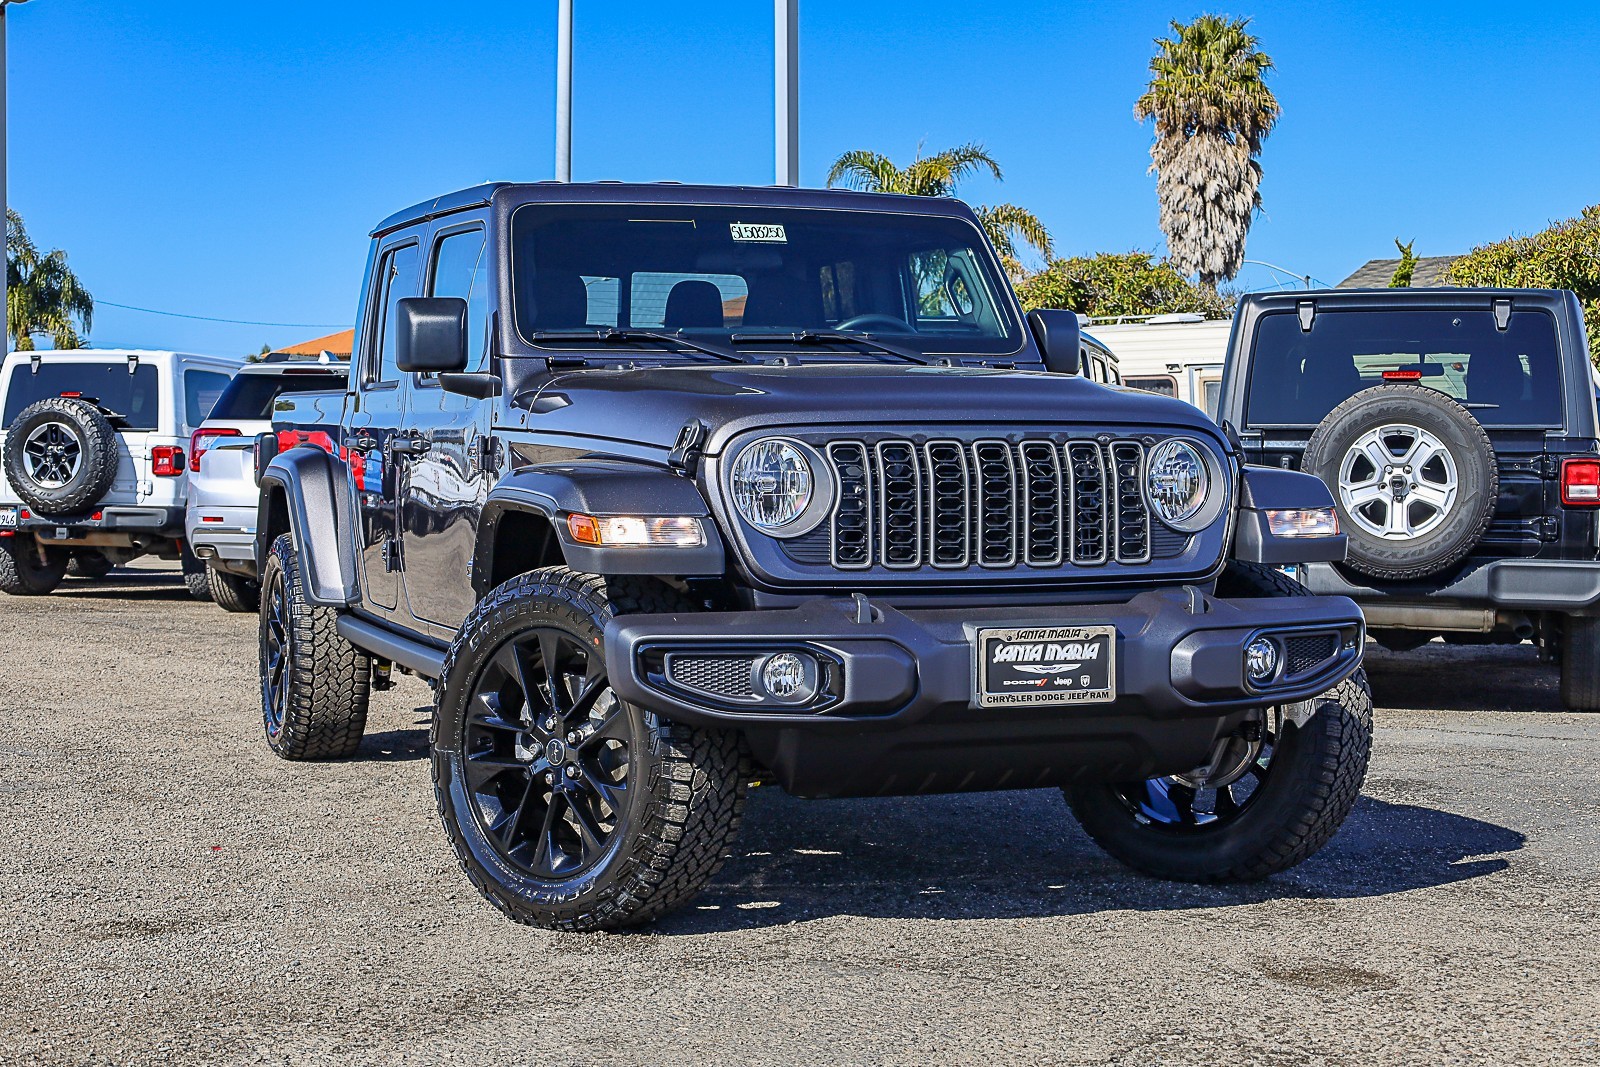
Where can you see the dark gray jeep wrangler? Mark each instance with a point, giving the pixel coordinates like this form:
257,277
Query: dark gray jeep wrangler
667,489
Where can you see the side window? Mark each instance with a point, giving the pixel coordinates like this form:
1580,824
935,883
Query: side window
1165,384
398,276
459,270
201,388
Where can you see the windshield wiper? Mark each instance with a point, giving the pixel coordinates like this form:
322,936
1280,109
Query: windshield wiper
613,335
824,337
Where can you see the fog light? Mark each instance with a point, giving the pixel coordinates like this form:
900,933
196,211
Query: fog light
789,678
1260,660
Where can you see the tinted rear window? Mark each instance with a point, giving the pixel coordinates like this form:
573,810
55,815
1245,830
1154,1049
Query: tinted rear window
250,396
136,397
1508,377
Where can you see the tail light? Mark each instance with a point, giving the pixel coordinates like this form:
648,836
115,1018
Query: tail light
166,461
1580,482
201,440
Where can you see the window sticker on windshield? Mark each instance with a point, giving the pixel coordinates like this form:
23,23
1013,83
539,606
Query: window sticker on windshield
760,232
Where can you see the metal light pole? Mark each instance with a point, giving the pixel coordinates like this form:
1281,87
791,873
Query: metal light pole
564,91
4,267
786,61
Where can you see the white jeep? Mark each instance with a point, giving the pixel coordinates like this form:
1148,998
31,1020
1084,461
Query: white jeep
94,468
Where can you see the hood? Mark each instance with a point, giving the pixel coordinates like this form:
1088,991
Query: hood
649,406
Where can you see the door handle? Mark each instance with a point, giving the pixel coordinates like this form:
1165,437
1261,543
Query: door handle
411,444
361,441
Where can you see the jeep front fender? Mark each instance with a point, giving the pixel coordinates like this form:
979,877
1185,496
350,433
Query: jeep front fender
316,492
604,487
1264,489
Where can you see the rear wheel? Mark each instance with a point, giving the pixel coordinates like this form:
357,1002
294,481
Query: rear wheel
1269,797
194,575
1580,664
314,683
28,570
567,807
233,592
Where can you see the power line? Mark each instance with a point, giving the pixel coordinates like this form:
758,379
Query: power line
212,318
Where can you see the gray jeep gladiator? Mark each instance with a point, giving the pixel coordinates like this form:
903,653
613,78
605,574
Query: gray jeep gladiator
668,489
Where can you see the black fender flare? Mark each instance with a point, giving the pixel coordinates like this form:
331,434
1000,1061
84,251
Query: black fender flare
1264,489
604,487
323,520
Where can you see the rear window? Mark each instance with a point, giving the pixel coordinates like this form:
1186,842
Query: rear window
1508,377
136,396
250,396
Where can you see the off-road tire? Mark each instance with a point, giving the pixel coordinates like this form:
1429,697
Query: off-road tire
687,784
1478,484
97,468
22,573
1580,663
194,576
91,565
327,678
1314,780
233,592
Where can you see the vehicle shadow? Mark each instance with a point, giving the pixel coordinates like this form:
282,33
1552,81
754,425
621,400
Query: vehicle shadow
395,746
127,585
1021,855
1465,678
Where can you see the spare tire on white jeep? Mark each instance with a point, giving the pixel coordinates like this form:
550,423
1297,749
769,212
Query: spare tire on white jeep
61,455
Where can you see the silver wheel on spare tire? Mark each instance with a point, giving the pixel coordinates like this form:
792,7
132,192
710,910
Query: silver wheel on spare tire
1413,476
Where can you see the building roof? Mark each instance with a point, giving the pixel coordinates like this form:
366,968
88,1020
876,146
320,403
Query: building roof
340,344
1375,273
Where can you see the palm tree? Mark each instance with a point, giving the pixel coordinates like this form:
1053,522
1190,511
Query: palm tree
43,296
1007,225
1212,109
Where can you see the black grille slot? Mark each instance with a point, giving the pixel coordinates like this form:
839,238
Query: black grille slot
1132,518
994,475
949,510
899,504
1041,481
1088,502
727,677
1165,542
852,516
1307,652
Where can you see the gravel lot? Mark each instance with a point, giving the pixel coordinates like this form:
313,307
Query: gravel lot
170,891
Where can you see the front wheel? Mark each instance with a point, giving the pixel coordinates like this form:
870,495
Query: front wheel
566,807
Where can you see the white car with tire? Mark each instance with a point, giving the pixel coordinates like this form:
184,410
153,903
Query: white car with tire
93,460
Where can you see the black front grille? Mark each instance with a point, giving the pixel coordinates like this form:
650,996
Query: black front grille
723,676
989,503
1305,653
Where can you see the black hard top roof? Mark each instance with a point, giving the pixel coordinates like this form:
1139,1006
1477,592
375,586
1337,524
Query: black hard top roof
669,193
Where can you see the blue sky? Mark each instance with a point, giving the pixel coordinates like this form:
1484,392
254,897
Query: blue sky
228,159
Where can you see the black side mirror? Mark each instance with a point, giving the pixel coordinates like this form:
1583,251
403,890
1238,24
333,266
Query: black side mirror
1060,339
433,335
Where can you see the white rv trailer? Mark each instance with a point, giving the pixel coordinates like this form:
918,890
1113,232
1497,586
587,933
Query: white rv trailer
1175,355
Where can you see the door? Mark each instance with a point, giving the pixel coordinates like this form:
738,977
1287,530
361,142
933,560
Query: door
375,421
443,480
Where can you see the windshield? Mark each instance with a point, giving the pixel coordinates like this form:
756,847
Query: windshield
250,396
1509,377
134,396
759,276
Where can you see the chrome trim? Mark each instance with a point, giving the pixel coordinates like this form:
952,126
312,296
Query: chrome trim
1095,450
1009,451
831,451
883,504
1139,479
960,449
1049,447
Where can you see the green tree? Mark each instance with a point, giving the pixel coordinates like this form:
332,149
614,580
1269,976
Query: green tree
1564,256
1212,109
1009,227
43,296
1119,283
1407,268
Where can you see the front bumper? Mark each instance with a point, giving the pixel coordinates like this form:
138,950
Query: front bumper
898,712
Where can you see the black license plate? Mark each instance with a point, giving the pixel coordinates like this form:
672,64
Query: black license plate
1047,665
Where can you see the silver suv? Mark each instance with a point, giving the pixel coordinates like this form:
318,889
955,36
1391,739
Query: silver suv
94,470
221,519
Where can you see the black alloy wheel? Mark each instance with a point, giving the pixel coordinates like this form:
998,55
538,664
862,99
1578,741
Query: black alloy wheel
1213,796
548,752
274,658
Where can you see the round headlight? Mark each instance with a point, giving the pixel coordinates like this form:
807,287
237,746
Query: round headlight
1177,482
774,487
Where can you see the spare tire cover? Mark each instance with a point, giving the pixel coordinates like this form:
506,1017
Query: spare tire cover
1413,475
61,456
